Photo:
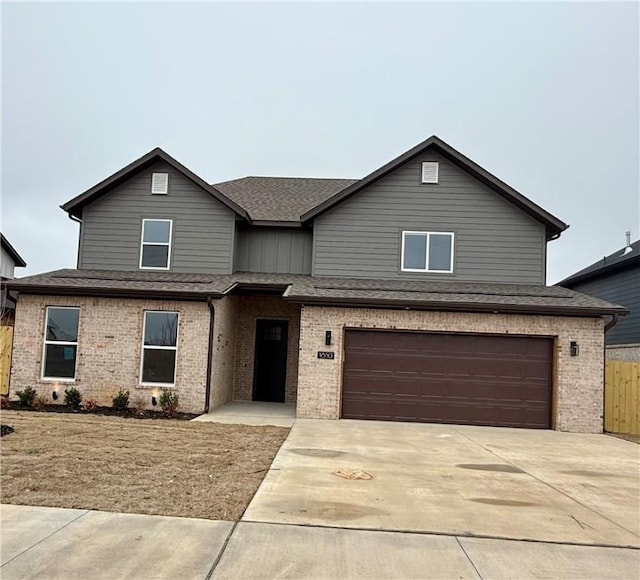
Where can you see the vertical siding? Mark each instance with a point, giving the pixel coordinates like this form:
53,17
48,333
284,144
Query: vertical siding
203,228
494,240
273,250
622,288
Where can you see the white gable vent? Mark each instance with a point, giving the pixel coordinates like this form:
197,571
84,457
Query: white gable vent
160,183
429,172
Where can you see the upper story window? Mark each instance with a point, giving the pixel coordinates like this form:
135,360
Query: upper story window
60,343
155,246
427,252
160,183
430,171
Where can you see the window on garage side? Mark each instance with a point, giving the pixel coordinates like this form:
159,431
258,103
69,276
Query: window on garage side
159,348
155,246
60,343
427,252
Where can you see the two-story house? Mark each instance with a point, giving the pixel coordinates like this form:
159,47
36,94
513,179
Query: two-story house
414,294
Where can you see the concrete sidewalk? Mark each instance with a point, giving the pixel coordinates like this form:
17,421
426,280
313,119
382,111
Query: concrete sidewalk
54,543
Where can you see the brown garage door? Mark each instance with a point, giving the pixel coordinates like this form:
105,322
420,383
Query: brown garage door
447,378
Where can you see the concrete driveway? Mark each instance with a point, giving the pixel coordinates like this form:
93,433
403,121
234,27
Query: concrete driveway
457,480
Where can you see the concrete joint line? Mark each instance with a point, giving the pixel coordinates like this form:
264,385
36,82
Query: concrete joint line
73,521
549,485
222,550
468,557
445,534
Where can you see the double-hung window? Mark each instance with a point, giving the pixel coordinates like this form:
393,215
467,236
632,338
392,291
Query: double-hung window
155,246
60,343
427,252
159,348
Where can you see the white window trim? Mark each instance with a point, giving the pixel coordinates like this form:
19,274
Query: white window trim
437,181
145,346
428,236
143,244
59,343
153,183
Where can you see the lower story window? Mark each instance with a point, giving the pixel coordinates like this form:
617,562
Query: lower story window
159,347
60,343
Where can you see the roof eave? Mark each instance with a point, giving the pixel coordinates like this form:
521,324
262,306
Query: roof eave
588,312
45,289
17,258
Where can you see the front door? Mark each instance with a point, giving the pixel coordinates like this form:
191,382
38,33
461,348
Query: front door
270,369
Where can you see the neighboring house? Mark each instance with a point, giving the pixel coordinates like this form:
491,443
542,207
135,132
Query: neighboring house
616,278
415,294
9,261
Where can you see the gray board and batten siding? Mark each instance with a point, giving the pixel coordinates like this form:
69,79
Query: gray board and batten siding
203,228
620,287
494,240
273,250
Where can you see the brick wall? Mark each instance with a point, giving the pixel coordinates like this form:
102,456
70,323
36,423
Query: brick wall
579,380
250,309
628,352
109,348
224,355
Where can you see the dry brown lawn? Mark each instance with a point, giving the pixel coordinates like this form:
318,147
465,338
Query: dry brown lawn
163,467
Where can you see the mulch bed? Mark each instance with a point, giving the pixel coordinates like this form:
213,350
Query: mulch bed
108,411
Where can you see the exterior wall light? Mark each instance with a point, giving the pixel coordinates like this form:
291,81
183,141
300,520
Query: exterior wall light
154,401
574,349
54,395
327,338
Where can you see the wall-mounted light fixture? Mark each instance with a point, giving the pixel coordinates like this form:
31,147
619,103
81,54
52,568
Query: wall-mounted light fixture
54,395
574,349
154,401
327,338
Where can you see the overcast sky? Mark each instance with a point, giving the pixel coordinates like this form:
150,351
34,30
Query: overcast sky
543,95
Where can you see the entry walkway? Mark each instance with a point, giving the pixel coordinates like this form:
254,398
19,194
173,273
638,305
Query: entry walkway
252,413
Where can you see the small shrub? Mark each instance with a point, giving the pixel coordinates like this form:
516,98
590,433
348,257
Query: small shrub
90,405
169,402
27,396
121,401
39,402
72,397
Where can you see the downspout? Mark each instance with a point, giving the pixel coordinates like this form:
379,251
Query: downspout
207,394
609,325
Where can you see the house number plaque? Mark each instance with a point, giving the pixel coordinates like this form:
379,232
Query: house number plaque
326,354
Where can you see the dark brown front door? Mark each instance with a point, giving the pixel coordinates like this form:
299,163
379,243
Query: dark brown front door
270,369
447,378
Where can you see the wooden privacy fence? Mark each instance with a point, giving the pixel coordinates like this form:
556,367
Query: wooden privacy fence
6,340
622,397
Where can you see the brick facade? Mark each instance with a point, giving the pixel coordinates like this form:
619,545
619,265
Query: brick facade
224,351
109,349
249,310
578,388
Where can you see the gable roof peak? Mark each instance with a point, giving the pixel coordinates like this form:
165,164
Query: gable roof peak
554,226
74,206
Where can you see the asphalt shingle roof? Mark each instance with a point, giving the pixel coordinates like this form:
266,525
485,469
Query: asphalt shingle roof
615,261
469,297
282,199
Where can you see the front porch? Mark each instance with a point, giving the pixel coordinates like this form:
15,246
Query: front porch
255,351
252,413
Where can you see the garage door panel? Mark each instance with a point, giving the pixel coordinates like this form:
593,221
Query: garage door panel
468,379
